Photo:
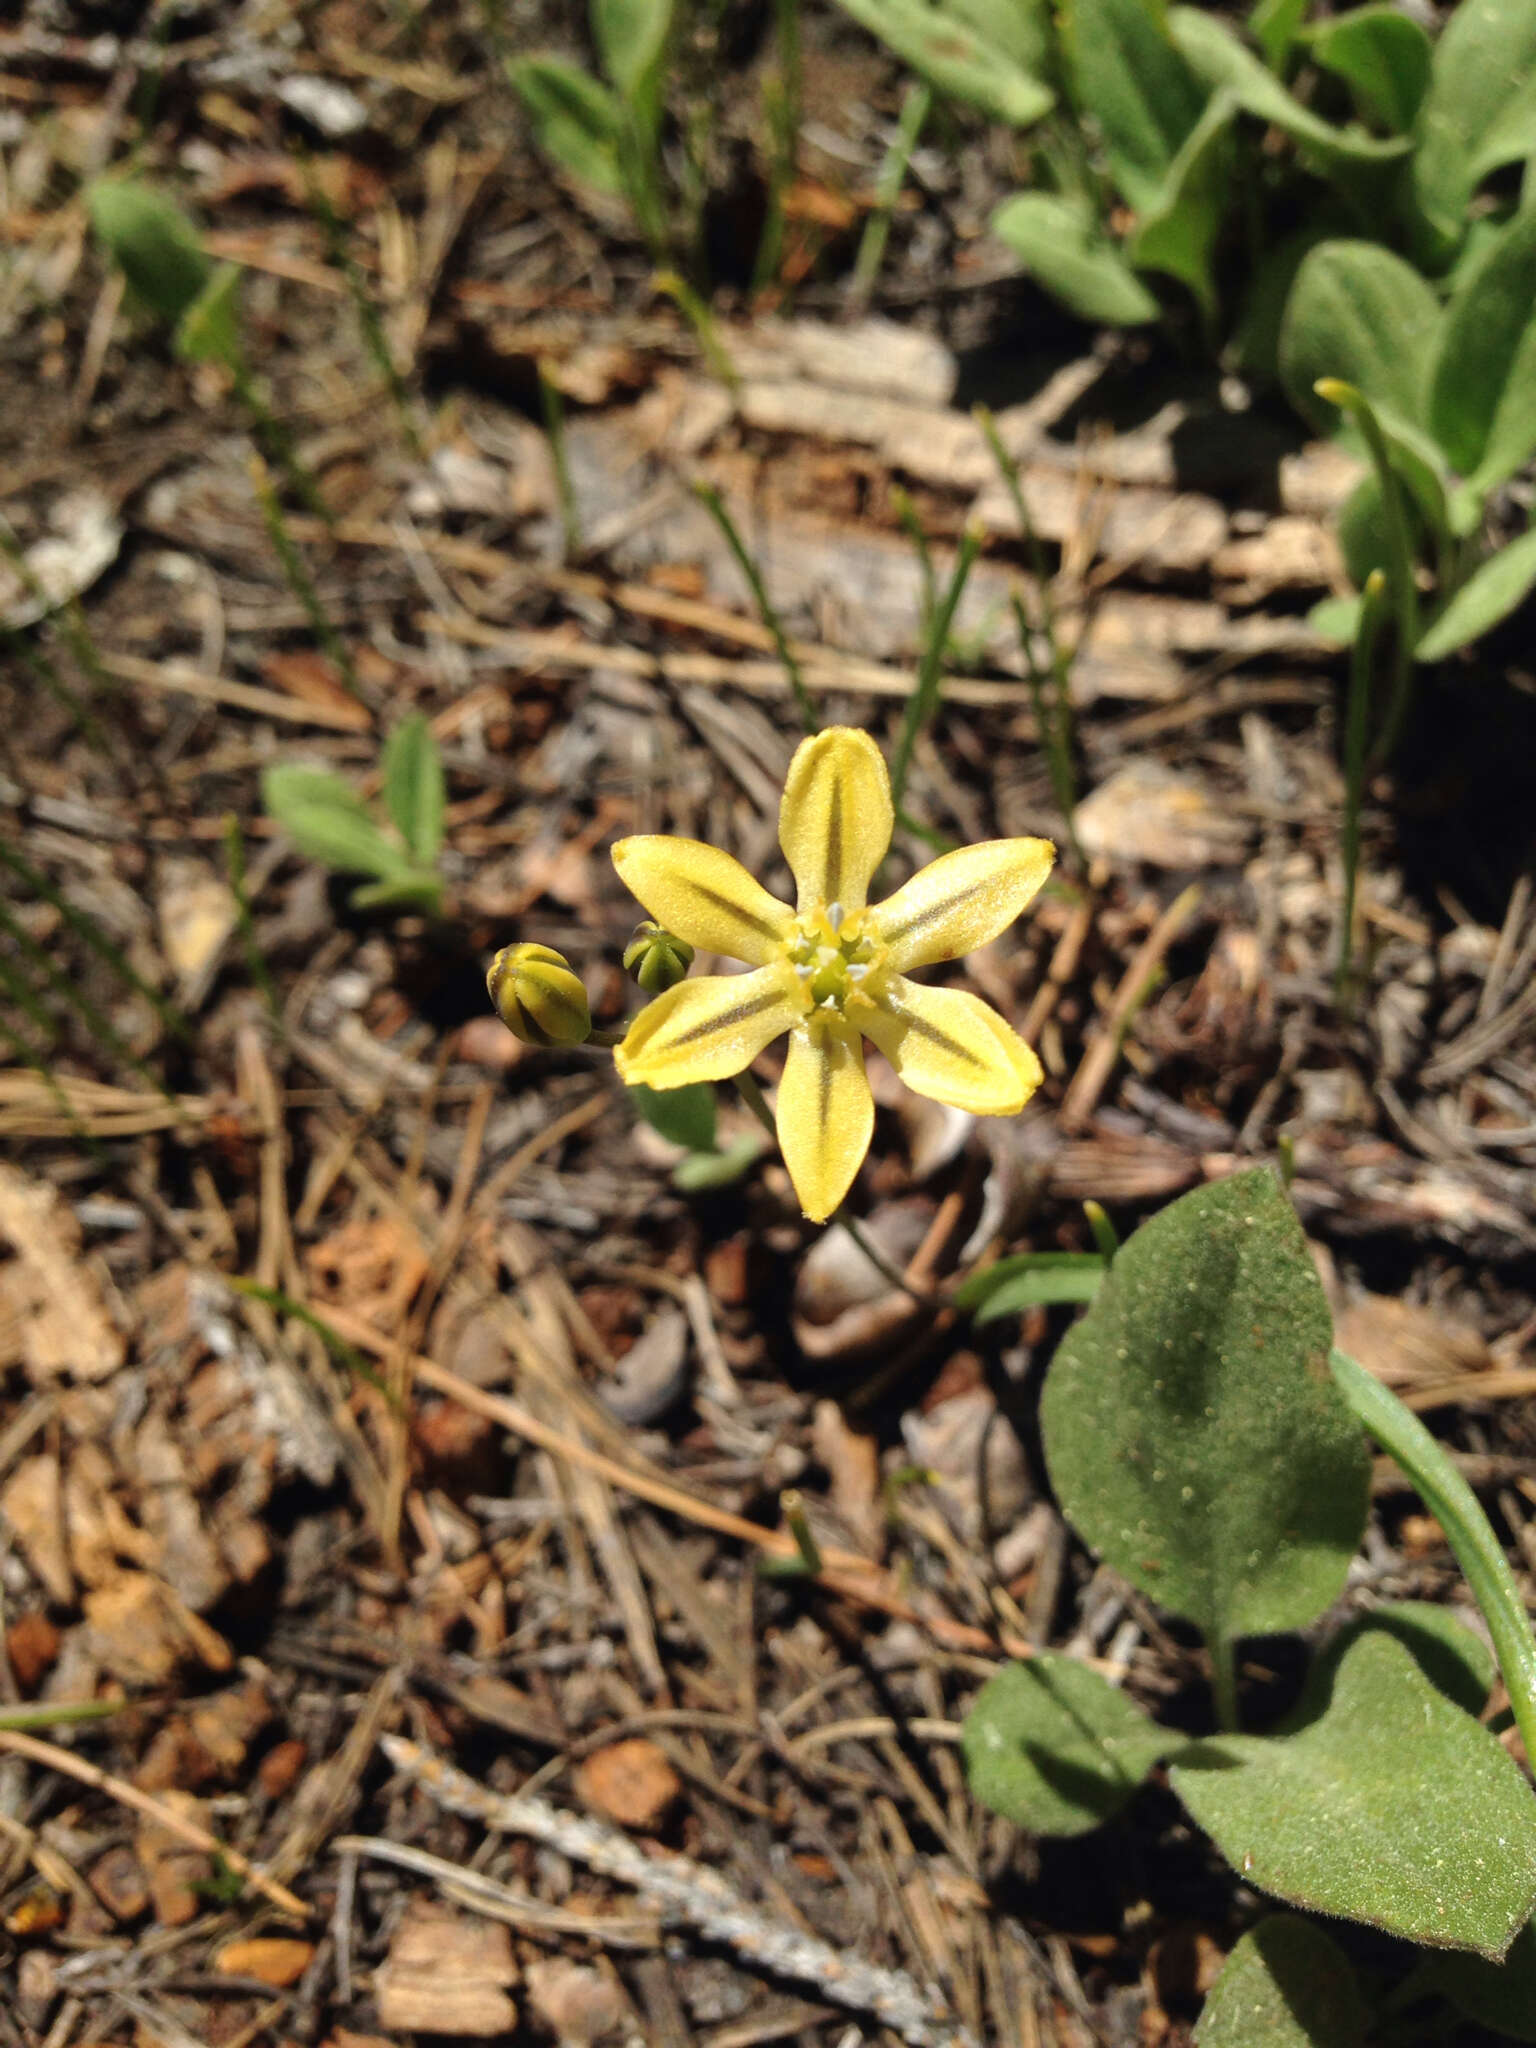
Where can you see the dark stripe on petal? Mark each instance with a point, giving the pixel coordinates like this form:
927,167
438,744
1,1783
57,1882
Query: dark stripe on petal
893,934
737,1015
749,918
923,1029
833,892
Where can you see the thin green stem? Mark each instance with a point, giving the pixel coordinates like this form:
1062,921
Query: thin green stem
1456,1508
714,505
674,286
376,340
553,405
924,700
300,582
100,1026
915,109
781,105
1356,734
255,959
1224,1683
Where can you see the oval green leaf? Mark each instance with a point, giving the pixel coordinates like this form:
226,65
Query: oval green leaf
1490,594
1060,243
1192,1429
1480,109
327,820
1359,313
1382,56
1132,82
414,790
1285,1985
576,120
956,58
1482,402
1393,1807
1056,1748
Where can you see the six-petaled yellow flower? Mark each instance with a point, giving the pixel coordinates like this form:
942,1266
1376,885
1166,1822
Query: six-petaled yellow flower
833,971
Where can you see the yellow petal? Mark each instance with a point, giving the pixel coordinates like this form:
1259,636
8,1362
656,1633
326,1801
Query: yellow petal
953,1047
836,817
709,1028
961,900
703,896
826,1115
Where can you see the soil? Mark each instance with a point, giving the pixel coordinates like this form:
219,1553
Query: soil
369,1382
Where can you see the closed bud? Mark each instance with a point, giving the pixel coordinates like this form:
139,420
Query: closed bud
657,959
539,996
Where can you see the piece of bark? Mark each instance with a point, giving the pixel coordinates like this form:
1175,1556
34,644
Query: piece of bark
33,1505
447,1973
172,1870
632,1782
118,1881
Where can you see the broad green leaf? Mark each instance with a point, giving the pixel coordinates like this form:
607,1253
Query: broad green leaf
1489,594
700,1171
1021,29
1217,56
1028,1279
1482,400
327,820
414,790
1361,530
1285,1985
1056,1748
1498,1996
1274,26
1359,313
1455,1660
1177,232
1133,83
631,38
209,330
684,1116
1256,338
1384,58
152,242
1393,1807
956,57
411,890
1192,1430
1336,619
1480,109
576,119
1060,243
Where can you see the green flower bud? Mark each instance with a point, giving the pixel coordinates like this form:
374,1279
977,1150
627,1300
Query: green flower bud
538,996
657,959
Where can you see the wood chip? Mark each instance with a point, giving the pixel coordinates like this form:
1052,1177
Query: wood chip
65,1328
447,1974
632,1782
271,1959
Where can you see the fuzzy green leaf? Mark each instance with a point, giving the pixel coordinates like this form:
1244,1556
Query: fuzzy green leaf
414,790
1178,231
1489,595
1456,1661
1285,1985
1217,56
327,820
409,890
1137,88
577,120
1275,26
1498,1996
1055,1747
631,38
700,1171
1392,1807
209,330
957,57
1336,619
684,1116
1482,402
1060,243
1480,109
1192,1430
152,242
1021,29
1384,58
1359,313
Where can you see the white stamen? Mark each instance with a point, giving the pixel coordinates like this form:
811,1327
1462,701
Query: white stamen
835,916
857,970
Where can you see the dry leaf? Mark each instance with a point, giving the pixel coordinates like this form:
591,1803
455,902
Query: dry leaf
447,1974
65,1327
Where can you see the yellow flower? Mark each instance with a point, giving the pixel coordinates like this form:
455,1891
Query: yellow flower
833,972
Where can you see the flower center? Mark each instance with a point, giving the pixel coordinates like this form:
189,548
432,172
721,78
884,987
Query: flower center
834,954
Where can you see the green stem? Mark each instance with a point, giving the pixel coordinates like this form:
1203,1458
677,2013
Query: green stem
714,505
1224,1683
1455,1506
1356,717
924,700
915,109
